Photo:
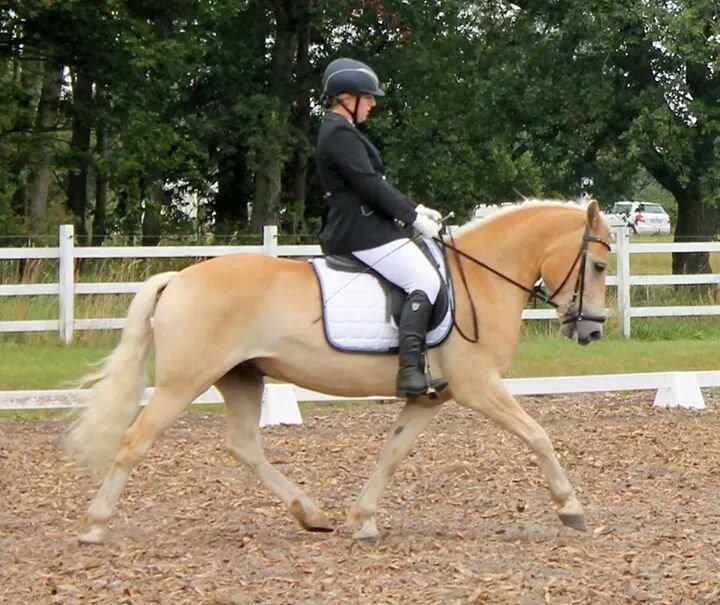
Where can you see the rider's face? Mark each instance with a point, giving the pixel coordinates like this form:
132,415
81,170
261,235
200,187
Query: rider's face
348,103
365,105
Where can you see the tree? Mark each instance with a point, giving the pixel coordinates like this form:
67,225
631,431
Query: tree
487,102
45,123
79,172
628,85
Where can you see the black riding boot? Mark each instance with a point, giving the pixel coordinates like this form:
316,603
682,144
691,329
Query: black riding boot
414,318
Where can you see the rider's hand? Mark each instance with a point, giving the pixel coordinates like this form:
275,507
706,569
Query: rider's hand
427,227
429,212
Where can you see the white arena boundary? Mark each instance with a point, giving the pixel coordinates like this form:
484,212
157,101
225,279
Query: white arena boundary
280,401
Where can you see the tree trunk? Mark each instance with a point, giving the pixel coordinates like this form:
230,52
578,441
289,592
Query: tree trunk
268,176
99,224
151,218
690,225
231,202
153,196
80,144
302,117
268,180
39,181
30,83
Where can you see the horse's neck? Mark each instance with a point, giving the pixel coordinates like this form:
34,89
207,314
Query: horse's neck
516,243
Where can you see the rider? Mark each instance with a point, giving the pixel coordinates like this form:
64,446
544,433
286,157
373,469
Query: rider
370,219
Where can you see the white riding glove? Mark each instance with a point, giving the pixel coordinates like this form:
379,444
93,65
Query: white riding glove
427,227
429,212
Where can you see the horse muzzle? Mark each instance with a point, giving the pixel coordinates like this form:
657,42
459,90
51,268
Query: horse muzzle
584,327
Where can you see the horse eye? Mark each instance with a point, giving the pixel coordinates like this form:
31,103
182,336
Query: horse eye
599,267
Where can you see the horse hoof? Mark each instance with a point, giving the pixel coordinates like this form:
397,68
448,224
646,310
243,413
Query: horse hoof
367,532
573,521
316,521
95,534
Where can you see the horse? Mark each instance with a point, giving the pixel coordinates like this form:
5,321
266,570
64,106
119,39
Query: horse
232,320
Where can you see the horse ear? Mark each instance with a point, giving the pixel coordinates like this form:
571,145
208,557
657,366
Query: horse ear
593,214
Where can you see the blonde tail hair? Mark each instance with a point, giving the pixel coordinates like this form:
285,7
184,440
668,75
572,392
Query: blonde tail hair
117,387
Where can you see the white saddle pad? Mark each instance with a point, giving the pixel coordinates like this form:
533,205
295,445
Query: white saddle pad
355,313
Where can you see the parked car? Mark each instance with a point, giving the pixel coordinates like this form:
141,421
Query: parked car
641,217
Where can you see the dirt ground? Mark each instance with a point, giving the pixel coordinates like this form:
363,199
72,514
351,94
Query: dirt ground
467,518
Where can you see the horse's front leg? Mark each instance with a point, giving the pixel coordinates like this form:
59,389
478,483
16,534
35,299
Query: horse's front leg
413,418
492,399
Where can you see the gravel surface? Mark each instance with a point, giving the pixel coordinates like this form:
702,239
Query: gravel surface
467,518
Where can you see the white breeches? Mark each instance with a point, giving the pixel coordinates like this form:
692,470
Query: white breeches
404,264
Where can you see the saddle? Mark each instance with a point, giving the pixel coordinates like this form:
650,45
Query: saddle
361,309
395,296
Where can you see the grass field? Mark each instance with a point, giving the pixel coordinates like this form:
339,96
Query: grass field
50,366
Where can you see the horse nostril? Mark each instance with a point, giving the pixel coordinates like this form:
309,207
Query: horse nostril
595,335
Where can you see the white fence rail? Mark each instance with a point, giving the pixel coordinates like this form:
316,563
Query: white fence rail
673,389
625,280
66,289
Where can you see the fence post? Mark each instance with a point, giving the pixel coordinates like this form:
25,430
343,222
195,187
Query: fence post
66,282
622,254
270,240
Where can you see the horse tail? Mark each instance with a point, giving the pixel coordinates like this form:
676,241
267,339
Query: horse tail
117,387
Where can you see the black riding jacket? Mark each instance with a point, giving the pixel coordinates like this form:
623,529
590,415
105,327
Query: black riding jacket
365,211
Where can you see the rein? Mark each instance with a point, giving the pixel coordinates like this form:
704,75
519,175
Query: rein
537,292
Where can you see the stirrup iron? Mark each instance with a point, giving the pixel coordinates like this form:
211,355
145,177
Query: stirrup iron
435,386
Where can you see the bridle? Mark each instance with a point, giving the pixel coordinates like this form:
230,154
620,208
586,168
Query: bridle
537,292
575,312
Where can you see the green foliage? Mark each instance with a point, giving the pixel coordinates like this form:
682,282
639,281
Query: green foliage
487,102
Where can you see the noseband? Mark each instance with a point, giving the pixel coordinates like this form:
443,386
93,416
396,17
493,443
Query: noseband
538,292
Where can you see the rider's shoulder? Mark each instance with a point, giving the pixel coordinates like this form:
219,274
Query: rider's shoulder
339,130
335,121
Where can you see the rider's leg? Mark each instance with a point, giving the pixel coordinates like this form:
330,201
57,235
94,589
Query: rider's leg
412,380
404,264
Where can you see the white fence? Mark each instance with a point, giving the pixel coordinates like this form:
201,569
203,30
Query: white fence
66,288
673,389
624,280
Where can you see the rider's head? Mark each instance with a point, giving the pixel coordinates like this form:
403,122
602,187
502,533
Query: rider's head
351,87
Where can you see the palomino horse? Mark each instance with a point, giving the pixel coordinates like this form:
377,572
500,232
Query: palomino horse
231,320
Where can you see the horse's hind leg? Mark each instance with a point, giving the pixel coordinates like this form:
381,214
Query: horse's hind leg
242,390
161,411
494,401
413,418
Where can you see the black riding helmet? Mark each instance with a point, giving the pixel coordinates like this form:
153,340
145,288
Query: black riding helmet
349,75
354,77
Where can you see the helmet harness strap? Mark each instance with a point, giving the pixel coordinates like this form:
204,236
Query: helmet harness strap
353,112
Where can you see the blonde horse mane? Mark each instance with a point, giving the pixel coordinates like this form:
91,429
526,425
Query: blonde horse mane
528,203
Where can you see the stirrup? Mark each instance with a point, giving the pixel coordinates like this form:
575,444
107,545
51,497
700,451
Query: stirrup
436,386
430,389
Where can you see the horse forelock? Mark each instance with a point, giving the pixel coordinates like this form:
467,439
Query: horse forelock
527,204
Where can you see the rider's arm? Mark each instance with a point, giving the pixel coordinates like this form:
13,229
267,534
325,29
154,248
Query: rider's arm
351,159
